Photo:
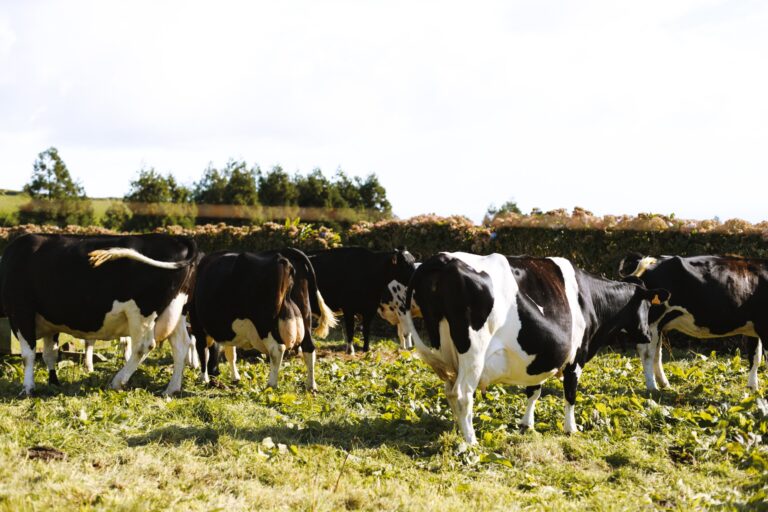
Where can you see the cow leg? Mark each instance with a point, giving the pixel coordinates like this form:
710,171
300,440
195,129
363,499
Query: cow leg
89,355
571,376
192,360
180,345
451,396
467,379
276,351
28,357
646,352
307,348
51,356
367,319
125,343
658,368
349,332
533,393
230,352
142,341
755,352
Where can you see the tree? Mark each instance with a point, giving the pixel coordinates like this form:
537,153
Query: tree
56,197
156,200
234,185
348,189
277,189
374,195
506,208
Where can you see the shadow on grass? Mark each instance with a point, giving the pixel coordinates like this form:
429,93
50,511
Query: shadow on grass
411,438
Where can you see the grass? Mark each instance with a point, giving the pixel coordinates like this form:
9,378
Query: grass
11,203
379,437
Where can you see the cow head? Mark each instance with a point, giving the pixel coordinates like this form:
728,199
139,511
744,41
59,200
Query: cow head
635,264
630,314
636,312
403,264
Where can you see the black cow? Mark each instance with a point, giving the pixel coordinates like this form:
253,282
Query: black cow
262,300
98,287
712,296
517,320
353,280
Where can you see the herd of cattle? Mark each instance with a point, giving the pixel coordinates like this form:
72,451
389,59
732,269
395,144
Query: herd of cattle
488,319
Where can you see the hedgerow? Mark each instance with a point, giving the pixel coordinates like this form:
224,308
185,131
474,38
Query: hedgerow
593,243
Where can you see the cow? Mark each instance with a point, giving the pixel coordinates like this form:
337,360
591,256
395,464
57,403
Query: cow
712,297
517,320
98,287
261,300
353,280
391,309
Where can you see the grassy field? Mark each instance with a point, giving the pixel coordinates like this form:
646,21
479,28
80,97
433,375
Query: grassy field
378,437
10,203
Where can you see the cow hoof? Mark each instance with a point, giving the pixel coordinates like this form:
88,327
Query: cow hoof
236,382
26,393
524,429
53,380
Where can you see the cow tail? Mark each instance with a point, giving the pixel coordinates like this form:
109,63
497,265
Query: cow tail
327,320
284,283
101,256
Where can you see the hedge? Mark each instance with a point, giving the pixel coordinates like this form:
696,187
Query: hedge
594,247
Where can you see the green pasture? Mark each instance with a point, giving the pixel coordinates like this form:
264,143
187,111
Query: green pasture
379,436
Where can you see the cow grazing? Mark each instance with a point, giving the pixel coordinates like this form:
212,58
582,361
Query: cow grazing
98,287
353,281
712,296
517,320
260,300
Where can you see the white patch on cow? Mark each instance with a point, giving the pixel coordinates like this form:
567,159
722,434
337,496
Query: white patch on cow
686,324
89,355
116,323
578,323
528,417
541,309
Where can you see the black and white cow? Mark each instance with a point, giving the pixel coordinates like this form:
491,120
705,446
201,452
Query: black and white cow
98,287
391,309
517,320
354,279
712,297
257,300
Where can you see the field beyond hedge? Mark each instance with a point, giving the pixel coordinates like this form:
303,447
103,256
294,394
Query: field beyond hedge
379,437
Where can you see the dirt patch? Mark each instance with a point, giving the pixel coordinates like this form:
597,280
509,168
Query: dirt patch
45,453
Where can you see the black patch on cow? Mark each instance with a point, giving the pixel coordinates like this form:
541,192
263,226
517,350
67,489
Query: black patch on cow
541,284
450,289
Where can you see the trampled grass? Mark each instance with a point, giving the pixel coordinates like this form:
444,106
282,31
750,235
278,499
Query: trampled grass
378,436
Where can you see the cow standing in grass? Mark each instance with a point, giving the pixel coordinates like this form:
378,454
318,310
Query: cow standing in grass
257,300
98,287
712,297
517,320
353,280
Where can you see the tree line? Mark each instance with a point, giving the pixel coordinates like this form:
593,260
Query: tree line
234,193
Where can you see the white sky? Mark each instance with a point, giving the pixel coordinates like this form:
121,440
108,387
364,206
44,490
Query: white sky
616,106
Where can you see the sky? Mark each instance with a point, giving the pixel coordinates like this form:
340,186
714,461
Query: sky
617,107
